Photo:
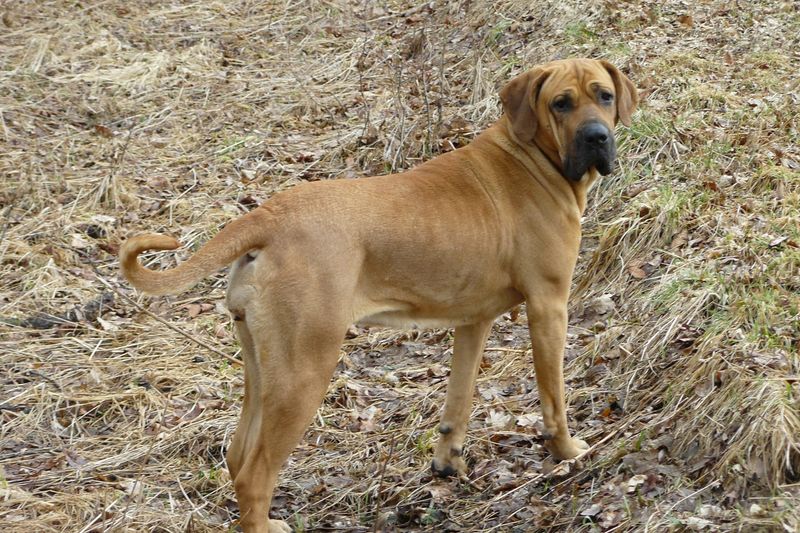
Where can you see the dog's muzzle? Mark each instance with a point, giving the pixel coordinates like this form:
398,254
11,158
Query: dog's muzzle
593,146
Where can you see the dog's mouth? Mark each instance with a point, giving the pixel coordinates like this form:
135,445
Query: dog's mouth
590,150
576,167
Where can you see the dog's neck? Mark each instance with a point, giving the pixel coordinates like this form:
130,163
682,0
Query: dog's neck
542,166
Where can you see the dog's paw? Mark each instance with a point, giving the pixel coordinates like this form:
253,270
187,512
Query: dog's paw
567,449
449,464
278,526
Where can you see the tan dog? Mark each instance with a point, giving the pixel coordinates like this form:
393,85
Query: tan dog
454,242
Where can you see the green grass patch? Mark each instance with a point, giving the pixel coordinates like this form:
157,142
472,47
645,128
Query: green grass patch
579,33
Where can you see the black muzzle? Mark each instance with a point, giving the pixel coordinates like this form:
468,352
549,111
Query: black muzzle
593,146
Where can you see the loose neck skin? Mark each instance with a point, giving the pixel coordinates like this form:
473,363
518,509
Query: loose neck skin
544,164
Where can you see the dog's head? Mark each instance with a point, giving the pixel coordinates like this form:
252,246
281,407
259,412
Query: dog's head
569,108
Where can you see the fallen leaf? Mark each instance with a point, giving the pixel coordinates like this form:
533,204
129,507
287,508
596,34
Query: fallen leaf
103,219
106,325
777,241
109,248
158,182
79,242
10,492
221,331
193,413
594,510
596,373
757,510
603,304
635,190
679,240
729,58
709,510
564,468
609,519
498,419
640,269
635,269
366,420
74,459
527,421
103,131
635,482
132,487
440,492
697,524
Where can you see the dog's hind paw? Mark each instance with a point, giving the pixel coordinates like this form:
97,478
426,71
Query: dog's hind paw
278,526
566,450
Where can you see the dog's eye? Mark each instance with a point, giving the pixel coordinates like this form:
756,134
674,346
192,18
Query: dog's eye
561,105
606,97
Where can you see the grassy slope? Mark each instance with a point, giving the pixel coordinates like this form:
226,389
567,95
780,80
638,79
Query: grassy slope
682,356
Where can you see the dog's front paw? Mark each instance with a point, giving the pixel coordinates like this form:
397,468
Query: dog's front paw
450,463
566,449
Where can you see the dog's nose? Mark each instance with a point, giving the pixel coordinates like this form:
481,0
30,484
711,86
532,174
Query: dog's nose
596,134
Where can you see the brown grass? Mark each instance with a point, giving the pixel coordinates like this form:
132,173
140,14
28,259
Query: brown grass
682,361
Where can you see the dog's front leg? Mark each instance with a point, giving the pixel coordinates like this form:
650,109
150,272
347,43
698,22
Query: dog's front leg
548,329
467,353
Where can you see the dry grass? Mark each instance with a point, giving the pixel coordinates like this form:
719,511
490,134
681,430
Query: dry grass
120,117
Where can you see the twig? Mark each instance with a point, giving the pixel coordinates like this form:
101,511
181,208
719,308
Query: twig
380,486
427,101
439,113
50,380
7,220
402,14
713,484
399,154
360,66
131,301
137,480
109,195
101,514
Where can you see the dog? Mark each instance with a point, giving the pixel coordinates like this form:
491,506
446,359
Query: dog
454,242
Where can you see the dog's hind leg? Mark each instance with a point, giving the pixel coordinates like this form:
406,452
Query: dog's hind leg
286,377
236,449
467,354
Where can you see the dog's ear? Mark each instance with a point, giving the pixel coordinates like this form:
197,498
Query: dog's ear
627,96
519,102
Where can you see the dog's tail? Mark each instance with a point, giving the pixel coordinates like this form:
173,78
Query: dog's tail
233,241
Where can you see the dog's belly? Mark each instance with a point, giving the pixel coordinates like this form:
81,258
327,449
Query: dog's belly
401,321
418,315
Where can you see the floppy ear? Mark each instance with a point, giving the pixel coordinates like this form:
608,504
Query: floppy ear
519,102
627,95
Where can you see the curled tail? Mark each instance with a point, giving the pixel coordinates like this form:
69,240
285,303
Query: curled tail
234,240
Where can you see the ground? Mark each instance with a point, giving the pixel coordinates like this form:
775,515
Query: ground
682,361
